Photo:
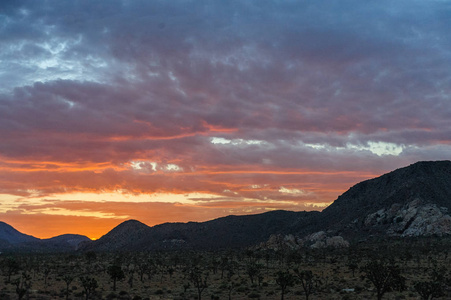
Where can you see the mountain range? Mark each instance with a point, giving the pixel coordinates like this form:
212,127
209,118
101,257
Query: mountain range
11,240
408,202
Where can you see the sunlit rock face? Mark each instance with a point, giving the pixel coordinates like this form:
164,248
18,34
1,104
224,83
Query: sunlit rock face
412,219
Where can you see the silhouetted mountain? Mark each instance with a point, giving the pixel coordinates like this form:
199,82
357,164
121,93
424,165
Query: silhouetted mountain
11,236
12,240
70,241
411,201
123,235
226,232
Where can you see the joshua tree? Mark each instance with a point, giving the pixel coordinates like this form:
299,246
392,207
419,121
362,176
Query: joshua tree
229,283
22,284
142,268
68,280
307,279
433,288
199,280
12,266
352,265
385,277
149,268
429,289
253,270
46,271
89,285
116,273
284,279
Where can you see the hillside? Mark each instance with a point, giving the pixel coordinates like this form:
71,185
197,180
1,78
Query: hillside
411,201
226,232
418,195
9,237
12,240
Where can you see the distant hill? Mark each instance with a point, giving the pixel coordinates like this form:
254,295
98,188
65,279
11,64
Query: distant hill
408,202
10,235
226,232
67,241
11,240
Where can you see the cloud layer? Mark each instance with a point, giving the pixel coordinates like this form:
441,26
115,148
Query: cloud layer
254,105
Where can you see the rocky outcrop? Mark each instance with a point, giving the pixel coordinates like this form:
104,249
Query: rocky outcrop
409,201
412,219
337,242
321,240
282,242
315,240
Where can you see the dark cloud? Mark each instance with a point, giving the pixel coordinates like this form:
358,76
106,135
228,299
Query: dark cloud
302,95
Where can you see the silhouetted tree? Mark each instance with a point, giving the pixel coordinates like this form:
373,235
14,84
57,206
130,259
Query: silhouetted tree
46,270
284,279
434,287
23,285
89,285
142,268
68,280
429,289
306,279
116,273
352,265
223,263
199,280
253,270
12,266
385,277
230,284
150,268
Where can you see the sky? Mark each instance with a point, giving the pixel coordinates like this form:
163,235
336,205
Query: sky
176,111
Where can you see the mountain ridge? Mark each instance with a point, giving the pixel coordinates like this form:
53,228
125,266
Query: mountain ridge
13,240
11,235
423,182
409,201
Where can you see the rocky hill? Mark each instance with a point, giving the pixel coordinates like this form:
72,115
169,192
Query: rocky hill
411,201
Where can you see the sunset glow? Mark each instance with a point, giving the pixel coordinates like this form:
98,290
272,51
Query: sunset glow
177,111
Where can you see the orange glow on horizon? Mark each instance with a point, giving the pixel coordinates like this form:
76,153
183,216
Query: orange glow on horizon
91,198
52,223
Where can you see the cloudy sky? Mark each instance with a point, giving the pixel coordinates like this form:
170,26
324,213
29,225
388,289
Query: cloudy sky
167,111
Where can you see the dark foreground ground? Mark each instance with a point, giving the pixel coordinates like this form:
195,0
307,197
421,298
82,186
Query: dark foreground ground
405,268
